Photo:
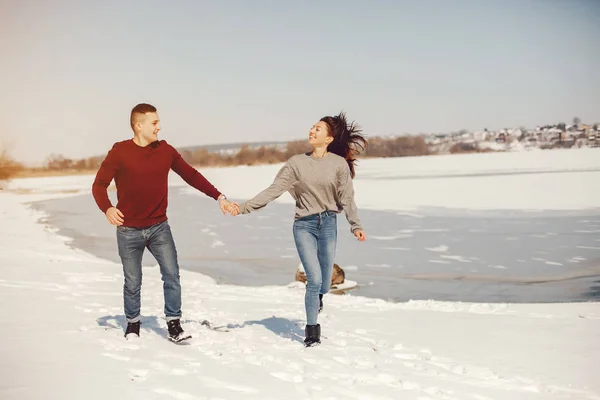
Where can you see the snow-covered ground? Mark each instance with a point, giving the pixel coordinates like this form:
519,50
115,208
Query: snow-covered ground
63,318
540,180
537,180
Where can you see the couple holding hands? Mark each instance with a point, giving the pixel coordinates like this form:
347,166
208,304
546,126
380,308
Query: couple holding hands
320,183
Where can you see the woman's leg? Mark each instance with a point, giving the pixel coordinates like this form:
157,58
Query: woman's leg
305,236
326,244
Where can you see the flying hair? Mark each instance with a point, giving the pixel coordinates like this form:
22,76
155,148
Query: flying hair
348,141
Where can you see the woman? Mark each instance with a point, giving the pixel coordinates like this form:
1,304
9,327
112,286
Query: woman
321,184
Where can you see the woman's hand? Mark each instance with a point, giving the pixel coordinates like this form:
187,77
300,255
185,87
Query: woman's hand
360,235
227,206
234,209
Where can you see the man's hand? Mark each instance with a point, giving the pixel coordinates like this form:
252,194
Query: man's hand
114,216
224,205
360,235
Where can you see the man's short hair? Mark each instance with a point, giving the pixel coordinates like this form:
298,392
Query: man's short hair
138,110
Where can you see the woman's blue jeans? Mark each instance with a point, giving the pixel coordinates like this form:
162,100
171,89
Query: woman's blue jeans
316,241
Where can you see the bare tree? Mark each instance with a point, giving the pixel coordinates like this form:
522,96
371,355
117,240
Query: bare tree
57,162
8,166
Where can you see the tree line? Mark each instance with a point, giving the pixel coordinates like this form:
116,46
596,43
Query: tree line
401,146
404,146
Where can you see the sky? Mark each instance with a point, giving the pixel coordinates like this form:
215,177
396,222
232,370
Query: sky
245,71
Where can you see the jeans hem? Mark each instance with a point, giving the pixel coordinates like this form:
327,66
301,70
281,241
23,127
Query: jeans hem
134,320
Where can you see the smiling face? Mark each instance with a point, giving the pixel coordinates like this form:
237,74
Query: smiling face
146,126
319,135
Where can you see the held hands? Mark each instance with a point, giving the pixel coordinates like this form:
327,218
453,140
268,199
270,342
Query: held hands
360,235
224,205
234,209
227,206
114,216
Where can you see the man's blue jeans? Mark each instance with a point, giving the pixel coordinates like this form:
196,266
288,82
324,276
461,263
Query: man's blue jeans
159,240
316,241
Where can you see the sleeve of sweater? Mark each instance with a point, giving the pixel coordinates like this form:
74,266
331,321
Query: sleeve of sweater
284,181
107,171
191,176
345,192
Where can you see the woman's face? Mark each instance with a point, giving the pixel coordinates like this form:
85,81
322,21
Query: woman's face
319,135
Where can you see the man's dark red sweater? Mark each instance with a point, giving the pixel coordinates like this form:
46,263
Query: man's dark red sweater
141,177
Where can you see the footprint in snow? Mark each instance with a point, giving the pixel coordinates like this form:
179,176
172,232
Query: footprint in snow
342,360
179,371
176,395
138,374
405,356
287,377
117,357
218,384
118,346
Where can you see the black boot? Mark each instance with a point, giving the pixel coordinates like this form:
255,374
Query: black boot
313,335
320,302
133,329
176,333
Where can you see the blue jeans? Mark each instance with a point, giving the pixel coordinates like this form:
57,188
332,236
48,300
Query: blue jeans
316,241
159,240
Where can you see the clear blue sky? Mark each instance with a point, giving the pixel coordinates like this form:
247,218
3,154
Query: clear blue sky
229,71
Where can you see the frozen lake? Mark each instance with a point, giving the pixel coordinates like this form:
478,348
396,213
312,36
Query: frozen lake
489,256
499,227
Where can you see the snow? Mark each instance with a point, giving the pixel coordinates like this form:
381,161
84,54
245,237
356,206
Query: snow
539,180
485,181
63,319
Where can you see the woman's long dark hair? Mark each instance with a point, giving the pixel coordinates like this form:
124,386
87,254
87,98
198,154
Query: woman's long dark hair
348,141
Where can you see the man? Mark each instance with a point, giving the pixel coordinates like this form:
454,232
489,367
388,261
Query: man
140,168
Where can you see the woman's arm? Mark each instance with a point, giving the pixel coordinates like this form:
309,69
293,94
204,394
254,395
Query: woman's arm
346,198
284,181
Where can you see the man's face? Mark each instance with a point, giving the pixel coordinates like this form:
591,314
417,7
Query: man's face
148,126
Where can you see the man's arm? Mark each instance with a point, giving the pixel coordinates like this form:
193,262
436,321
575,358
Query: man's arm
193,178
104,176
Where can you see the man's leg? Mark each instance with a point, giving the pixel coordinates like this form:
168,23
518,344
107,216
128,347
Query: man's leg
131,246
162,246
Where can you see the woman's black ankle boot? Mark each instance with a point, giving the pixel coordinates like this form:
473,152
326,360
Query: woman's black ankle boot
313,335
